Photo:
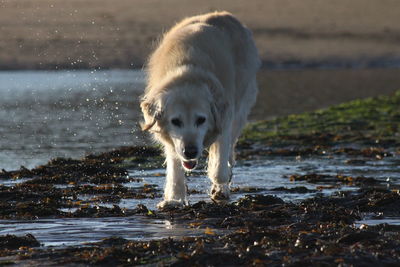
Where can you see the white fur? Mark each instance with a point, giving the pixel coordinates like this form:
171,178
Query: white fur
201,87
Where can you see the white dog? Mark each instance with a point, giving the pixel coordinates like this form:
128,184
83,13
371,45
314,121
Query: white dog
201,87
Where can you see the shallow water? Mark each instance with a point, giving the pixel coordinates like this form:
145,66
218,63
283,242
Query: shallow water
272,172
52,232
372,222
46,114
264,174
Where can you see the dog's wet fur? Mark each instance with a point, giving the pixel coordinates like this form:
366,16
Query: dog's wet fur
201,85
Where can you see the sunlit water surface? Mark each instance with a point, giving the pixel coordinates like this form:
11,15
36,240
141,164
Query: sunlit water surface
264,174
46,114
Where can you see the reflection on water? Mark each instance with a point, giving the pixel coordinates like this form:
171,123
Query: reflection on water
66,113
372,222
265,174
273,172
51,232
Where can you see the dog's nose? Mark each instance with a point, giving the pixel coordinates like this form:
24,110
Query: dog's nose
190,152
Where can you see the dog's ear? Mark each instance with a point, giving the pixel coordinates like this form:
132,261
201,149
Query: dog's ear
219,107
151,114
217,112
217,116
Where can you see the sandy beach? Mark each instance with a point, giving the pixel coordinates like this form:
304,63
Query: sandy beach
46,34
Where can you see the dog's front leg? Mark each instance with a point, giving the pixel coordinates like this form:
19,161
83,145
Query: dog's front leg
219,169
175,186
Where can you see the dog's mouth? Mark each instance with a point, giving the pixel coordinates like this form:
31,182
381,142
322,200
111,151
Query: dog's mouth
189,164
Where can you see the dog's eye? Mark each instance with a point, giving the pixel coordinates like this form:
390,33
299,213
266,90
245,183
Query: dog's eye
200,121
176,122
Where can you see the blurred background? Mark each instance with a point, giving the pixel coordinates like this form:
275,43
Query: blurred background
70,70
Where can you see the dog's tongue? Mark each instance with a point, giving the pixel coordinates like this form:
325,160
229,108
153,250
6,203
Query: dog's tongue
189,164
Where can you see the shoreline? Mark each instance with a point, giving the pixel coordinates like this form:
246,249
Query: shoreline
285,65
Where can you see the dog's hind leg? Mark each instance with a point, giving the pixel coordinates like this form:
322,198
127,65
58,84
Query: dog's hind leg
175,186
219,169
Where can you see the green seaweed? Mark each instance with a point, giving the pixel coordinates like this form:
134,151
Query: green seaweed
375,118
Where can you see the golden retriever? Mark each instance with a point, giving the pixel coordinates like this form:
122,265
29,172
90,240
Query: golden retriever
201,85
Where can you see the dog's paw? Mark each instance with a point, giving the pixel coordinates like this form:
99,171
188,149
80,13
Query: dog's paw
220,192
170,204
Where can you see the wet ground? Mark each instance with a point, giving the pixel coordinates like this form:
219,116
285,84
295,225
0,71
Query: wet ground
289,206
318,188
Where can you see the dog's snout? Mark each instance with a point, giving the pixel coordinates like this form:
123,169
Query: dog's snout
190,152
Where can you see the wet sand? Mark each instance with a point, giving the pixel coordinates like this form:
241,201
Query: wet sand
45,34
287,92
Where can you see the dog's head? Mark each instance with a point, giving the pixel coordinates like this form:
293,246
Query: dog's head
186,117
